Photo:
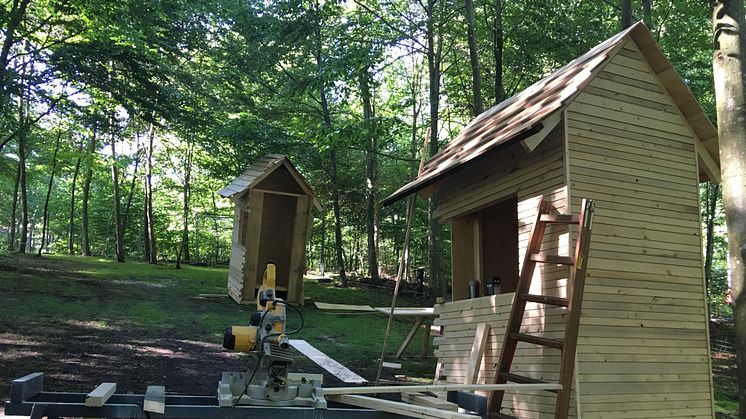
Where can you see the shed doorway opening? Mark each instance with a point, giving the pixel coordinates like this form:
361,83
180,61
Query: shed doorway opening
485,248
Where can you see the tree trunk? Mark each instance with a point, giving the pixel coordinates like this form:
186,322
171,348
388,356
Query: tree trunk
118,232
371,167
437,283
729,46
476,77
338,246
45,219
713,190
22,170
131,192
626,20
84,219
187,192
149,222
71,223
14,211
647,17
15,17
334,184
322,253
499,39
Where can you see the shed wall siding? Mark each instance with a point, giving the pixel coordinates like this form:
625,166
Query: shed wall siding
643,349
529,177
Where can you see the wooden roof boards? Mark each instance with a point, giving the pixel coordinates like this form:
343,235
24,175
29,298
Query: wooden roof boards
262,169
523,115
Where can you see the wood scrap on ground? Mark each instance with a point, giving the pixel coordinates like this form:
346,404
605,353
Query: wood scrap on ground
324,361
342,307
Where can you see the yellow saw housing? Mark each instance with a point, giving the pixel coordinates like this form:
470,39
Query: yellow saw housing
244,338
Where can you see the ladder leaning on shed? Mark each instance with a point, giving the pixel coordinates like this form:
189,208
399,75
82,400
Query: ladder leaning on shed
573,302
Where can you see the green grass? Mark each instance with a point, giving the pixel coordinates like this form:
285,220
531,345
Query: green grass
159,300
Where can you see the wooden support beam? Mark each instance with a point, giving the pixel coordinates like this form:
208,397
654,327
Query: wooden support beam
155,399
439,387
410,337
398,407
707,163
100,394
477,351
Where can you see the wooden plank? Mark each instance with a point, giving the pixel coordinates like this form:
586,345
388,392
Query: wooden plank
429,401
438,387
342,307
155,399
477,351
398,407
408,311
325,362
100,394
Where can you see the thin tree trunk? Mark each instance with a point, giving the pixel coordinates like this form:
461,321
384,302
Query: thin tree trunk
187,193
13,212
476,77
22,166
371,167
149,222
626,21
71,223
647,17
84,218
322,253
334,184
131,192
45,218
434,49
713,190
730,92
499,40
118,231
337,219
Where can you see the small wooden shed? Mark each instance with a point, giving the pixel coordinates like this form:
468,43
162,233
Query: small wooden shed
272,220
617,125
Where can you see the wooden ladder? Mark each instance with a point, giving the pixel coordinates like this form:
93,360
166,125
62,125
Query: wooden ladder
573,303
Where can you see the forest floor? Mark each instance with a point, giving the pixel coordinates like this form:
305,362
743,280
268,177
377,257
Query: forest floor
83,321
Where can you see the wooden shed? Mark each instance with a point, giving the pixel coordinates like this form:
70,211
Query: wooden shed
617,125
272,219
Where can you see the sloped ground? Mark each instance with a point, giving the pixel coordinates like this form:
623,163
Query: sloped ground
83,321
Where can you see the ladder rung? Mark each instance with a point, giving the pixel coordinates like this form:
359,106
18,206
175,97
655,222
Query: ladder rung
560,218
538,340
555,259
545,299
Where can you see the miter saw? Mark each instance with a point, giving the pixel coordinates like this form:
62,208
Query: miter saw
266,341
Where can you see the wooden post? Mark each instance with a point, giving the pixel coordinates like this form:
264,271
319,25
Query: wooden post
253,233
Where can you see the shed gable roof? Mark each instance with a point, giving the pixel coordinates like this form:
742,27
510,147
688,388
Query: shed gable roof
259,171
522,115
